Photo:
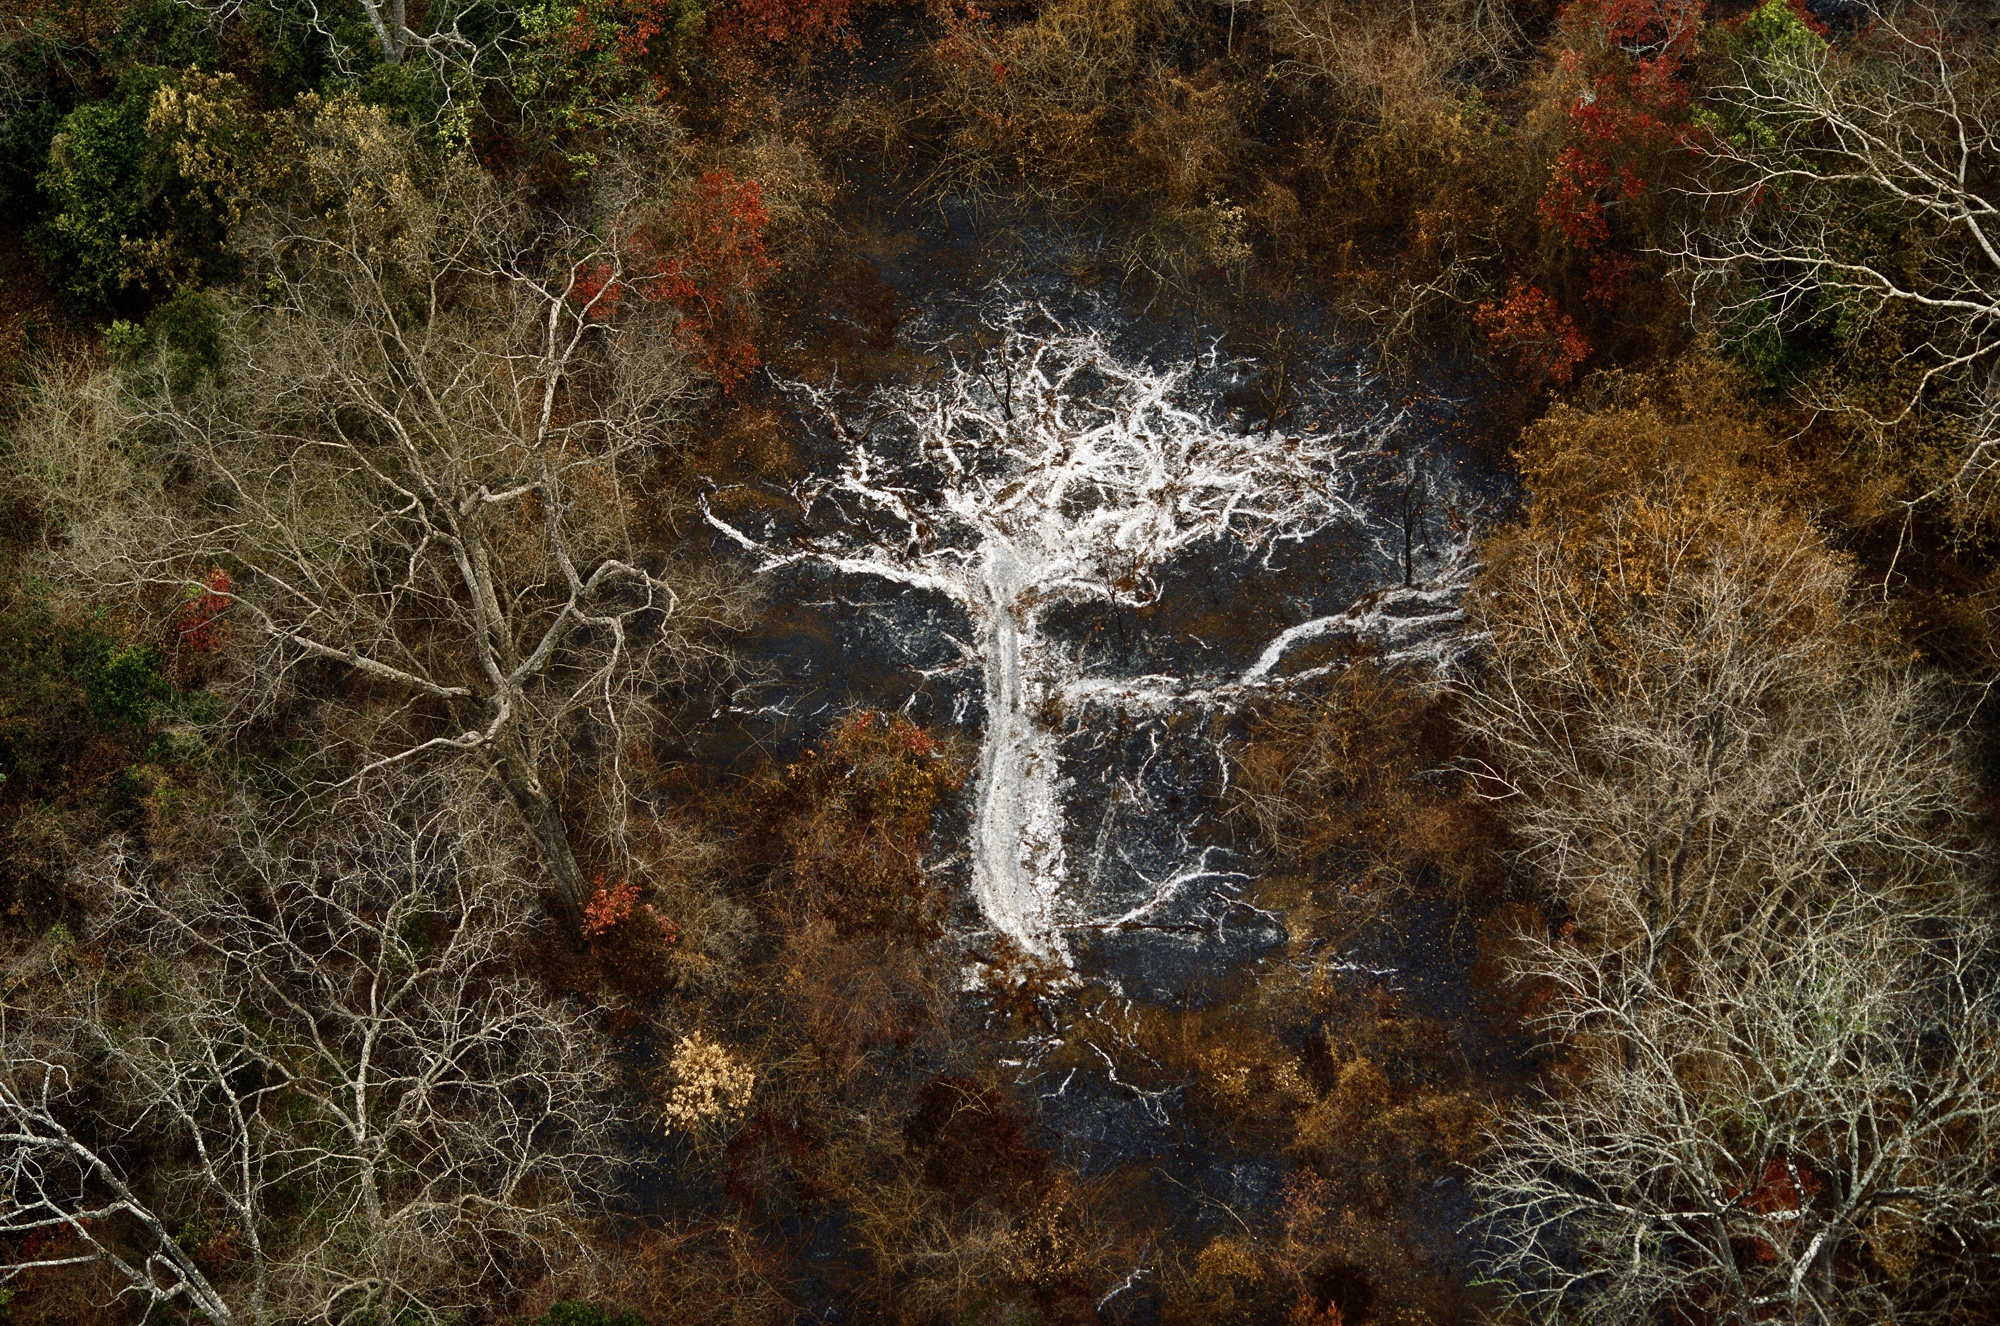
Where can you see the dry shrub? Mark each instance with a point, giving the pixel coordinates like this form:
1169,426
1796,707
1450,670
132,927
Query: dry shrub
973,1142
1509,1003
933,1260
669,925
1189,133
696,935
1046,1259
1038,102
1406,220
846,826
1176,243
1354,792
851,995
687,1273
1227,1283
705,1085
1371,1103
1187,142
850,972
1690,428
1381,1131
1066,1250
1378,1140
1393,61
796,192
68,455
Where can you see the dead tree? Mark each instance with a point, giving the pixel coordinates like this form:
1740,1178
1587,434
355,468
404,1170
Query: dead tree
454,37
415,464
1401,62
1681,713
1792,1125
1772,989
1052,471
324,1044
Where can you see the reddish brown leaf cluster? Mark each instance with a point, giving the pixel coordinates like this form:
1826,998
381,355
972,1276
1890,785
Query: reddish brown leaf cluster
198,623
1610,273
1630,58
609,908
612,47
709,263
779,21
1529,327
898,733
1785,1186
708,259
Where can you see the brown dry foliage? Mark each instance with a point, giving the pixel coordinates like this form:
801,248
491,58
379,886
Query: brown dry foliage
1392,61
693,1272
1354,792
1039,102
1374,1109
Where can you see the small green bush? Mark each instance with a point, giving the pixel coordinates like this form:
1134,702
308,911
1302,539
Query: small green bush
117,216
188,329
64,684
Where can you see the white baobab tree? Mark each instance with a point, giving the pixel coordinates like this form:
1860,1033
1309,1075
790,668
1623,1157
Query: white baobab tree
1048,472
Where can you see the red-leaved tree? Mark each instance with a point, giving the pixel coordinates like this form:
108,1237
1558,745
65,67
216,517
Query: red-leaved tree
779,21
609,907
717,265
1626,62
1529,328
198,624
706,256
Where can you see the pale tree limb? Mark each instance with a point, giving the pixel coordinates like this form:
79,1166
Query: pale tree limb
1823,148
1051,470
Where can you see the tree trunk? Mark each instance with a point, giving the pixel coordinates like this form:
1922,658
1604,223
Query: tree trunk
544,821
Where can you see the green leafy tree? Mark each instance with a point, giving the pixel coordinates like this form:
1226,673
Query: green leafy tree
138,189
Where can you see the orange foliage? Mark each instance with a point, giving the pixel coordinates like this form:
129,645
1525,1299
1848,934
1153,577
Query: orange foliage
1539,336
710,267
609,908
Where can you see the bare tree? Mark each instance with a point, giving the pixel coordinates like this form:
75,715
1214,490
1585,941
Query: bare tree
63,1191
1051,471
1773,992
1848,178
416,464
325,1046
1796,1125
1397,60
1685,719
